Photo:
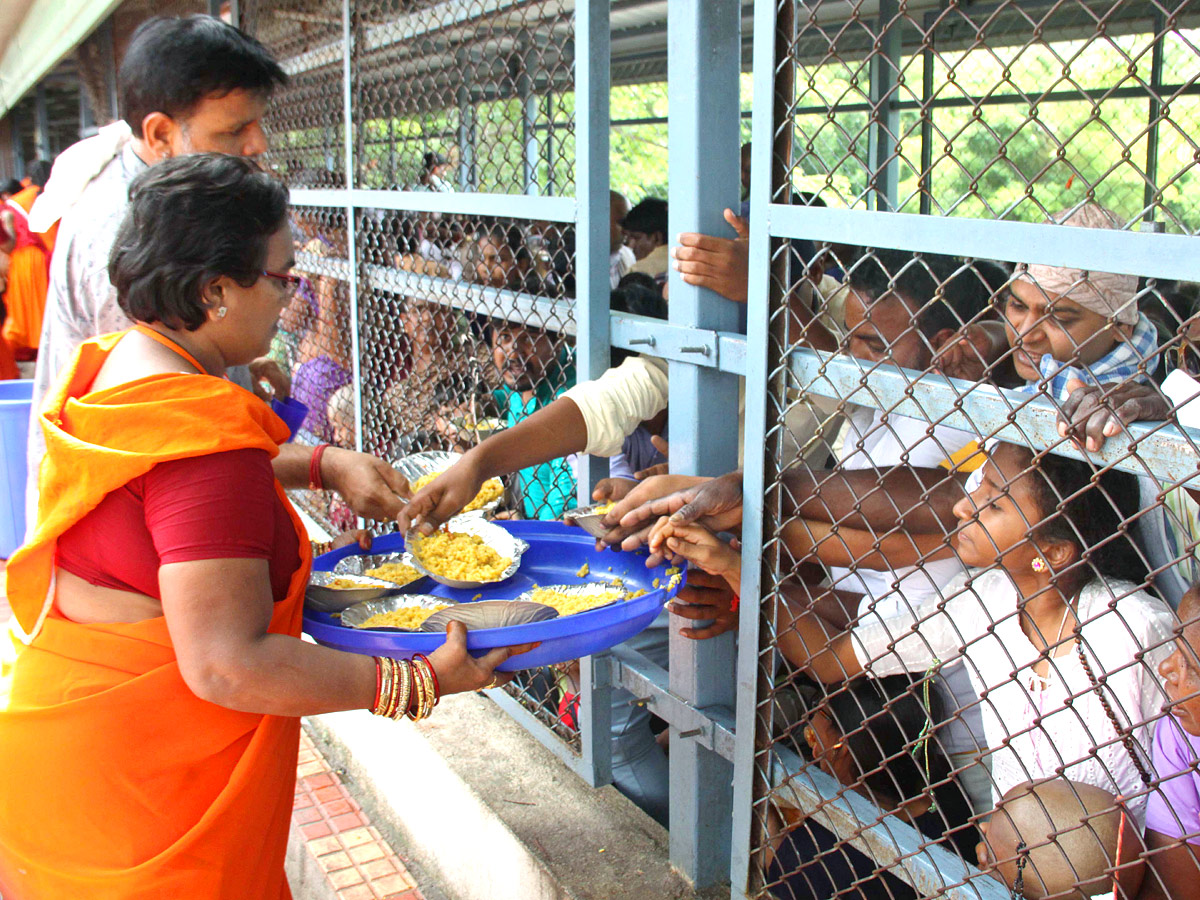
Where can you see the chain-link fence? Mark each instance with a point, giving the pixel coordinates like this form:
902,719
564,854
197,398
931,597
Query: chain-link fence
970,572
462,320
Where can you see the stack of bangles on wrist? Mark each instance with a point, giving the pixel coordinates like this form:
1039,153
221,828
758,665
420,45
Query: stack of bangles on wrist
404,687
320,548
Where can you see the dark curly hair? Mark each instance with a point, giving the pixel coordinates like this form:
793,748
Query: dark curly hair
1079,506
191,220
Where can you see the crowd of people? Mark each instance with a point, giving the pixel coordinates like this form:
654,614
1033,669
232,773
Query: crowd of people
994,643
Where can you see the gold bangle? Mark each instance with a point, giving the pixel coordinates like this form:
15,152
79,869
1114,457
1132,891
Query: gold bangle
417,712
385,689
393,698
430,682
402,701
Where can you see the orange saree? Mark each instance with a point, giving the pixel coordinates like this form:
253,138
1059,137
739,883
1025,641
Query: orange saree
28,276
116,781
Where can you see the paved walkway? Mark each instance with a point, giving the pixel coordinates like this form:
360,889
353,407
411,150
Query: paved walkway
357,862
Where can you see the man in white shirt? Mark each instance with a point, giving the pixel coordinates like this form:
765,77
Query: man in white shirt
187,85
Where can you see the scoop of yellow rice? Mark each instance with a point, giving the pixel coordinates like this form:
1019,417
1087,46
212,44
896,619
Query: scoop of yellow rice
409,617
348,584
492,489
463,557
568,604
397,573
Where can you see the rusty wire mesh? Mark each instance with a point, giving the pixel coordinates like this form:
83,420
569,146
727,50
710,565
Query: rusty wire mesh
948,617
1008,110
465,321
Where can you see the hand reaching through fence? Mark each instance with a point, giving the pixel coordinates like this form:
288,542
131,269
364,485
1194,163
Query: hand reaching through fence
720,264
1093,413
613,489
698,545
661,445
972,353
268,379
629,522
705,598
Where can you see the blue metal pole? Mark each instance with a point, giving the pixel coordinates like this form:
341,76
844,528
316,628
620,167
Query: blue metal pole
592,79
703,66
753,475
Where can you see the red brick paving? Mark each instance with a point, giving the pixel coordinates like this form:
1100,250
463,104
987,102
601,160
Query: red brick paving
358,863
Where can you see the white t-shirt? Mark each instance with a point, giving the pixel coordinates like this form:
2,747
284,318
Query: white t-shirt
1031,730
876,440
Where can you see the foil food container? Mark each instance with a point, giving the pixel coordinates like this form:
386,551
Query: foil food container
493,535
357,615
319,596
358,565
418,465
587,518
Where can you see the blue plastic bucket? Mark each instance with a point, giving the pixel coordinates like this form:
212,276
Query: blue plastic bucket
16,397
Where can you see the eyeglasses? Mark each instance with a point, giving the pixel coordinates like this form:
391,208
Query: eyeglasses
291,283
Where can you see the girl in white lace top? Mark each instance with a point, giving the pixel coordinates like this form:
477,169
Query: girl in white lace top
1063,653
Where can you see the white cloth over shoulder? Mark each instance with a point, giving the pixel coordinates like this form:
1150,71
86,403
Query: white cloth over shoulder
1037,726
614,404
74,170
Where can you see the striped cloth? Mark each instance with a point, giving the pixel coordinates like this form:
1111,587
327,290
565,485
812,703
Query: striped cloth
1131,360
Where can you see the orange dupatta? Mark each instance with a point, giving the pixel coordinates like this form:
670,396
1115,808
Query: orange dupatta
117,781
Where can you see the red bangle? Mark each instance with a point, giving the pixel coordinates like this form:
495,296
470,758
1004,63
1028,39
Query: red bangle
378,682
437,688
314,468
734,605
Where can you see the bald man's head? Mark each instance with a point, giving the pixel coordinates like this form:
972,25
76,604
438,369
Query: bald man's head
1069,835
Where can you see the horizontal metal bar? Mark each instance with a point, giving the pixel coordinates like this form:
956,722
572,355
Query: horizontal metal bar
894,845
538,729
1093,249
512,306
1112,93
513,206
1166,450
405,28
711,726
719,350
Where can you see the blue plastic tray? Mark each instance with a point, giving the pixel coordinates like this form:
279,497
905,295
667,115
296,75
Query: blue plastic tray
556,553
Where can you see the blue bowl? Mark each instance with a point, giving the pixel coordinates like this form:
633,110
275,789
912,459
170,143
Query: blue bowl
556,554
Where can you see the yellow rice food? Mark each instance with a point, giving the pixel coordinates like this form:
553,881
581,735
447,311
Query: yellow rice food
603,508
583,571
463,557
409,617
348,584
397,573
568,604
640,592
492,489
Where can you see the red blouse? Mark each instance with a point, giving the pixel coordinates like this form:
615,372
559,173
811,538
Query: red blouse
219,506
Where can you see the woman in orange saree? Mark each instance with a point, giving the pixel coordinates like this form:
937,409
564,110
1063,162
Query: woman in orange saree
29,268
149,746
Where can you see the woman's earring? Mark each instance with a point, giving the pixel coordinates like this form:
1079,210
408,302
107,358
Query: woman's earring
1038,565
221,310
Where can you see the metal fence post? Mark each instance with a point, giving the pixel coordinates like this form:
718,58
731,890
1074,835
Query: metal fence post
885,115
351,224
591,317
703,64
